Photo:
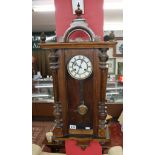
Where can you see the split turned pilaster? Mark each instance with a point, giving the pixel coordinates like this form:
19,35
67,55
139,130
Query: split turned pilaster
54,66
103,57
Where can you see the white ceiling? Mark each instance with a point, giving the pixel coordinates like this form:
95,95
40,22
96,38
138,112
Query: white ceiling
45,21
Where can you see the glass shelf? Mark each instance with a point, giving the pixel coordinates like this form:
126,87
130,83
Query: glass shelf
42,90
114,92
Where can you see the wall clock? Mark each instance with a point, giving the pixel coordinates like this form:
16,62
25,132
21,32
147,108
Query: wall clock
79,67
79,72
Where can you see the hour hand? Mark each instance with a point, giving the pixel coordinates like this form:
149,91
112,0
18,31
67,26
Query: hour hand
75,64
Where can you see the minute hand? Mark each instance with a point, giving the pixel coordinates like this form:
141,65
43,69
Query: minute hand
80,66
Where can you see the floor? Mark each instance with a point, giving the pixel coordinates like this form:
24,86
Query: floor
39,128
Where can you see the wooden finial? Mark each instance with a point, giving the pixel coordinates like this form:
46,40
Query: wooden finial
42,37
78,11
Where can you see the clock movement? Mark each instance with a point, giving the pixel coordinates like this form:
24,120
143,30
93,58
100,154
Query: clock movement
79,72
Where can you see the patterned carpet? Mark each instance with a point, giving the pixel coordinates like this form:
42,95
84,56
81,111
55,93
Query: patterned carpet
39,129
116,134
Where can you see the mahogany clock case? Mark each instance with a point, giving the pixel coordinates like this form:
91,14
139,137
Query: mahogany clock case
81,121
69,90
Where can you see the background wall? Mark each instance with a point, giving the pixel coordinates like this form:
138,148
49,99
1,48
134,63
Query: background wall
118,33
93,13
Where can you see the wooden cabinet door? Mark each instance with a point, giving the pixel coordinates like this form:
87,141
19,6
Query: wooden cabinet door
34,111
44,109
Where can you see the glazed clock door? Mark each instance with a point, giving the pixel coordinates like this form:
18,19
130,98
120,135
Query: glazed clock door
79,73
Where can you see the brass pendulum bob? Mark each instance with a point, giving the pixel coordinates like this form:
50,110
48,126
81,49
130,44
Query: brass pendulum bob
82,108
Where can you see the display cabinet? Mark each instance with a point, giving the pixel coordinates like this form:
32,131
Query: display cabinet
42,90
42,98
114,92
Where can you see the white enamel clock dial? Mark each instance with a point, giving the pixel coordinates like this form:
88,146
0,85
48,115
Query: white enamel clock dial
79,67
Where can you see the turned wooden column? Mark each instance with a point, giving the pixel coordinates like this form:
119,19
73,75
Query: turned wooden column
54,66
103,57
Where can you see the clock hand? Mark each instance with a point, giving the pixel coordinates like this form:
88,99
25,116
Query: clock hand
78,70
80,65
81,62
76,64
